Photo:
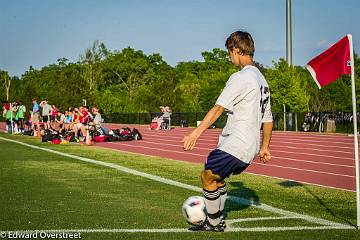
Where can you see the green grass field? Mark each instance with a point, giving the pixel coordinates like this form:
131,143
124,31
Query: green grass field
47,191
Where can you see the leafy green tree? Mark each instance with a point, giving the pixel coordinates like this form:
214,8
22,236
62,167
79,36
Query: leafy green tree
131,81
286,88
91,70
189,85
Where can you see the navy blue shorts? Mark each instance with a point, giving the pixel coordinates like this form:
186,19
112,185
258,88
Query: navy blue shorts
224,164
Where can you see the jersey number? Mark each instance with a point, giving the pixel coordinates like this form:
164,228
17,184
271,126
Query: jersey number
265,95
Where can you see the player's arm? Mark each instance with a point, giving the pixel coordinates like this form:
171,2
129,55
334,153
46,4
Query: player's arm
264,153
190,140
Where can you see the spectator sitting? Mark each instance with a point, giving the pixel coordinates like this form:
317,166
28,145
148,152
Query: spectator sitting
60,120
166,118
91,117
97,119
95,122
68,119
158,119
81,120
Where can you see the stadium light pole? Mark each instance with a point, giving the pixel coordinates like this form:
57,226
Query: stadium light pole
288,33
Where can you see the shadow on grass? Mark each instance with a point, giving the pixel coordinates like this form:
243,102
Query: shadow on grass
288,184
239,190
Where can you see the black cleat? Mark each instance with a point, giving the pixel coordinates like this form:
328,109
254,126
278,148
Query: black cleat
222,223
207,227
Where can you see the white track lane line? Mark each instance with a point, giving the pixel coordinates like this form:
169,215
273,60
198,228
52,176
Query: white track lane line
214,142
298,181
272,150
314,162
313,154
312,144
210,139
178,143
204,156
301,169
258,174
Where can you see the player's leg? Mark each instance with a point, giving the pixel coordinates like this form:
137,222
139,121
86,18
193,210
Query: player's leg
212,196
222,165
212,203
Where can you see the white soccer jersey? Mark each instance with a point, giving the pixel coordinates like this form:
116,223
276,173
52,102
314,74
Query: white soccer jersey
246,98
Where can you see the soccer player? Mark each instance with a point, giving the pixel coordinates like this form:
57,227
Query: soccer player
246,100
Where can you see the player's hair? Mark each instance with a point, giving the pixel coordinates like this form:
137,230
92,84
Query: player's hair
241,40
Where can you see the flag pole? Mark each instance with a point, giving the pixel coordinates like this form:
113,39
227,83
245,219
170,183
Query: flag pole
356,145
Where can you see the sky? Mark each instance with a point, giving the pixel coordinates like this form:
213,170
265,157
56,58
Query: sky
37,33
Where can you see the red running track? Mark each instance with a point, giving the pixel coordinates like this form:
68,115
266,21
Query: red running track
319,159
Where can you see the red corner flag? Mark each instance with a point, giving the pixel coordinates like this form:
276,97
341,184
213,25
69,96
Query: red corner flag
331,64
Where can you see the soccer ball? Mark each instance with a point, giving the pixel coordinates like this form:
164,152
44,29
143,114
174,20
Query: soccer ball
194,210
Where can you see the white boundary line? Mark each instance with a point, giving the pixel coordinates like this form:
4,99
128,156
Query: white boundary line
179,230
262,206
239,220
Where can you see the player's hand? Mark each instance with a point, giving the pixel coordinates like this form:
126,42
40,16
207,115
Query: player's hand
190,141
264,155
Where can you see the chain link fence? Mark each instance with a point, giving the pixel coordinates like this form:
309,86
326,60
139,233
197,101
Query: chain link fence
309,122
340,122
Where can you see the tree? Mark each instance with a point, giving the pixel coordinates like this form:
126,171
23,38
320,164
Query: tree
286,88
91,68
131,81
7,83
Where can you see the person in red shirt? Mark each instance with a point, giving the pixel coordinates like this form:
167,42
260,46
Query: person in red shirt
81,121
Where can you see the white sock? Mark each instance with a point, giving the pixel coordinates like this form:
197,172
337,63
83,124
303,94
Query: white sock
212,203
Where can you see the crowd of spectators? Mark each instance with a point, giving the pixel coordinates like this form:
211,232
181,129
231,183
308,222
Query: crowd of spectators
316,121
14,113
43,116
80,119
